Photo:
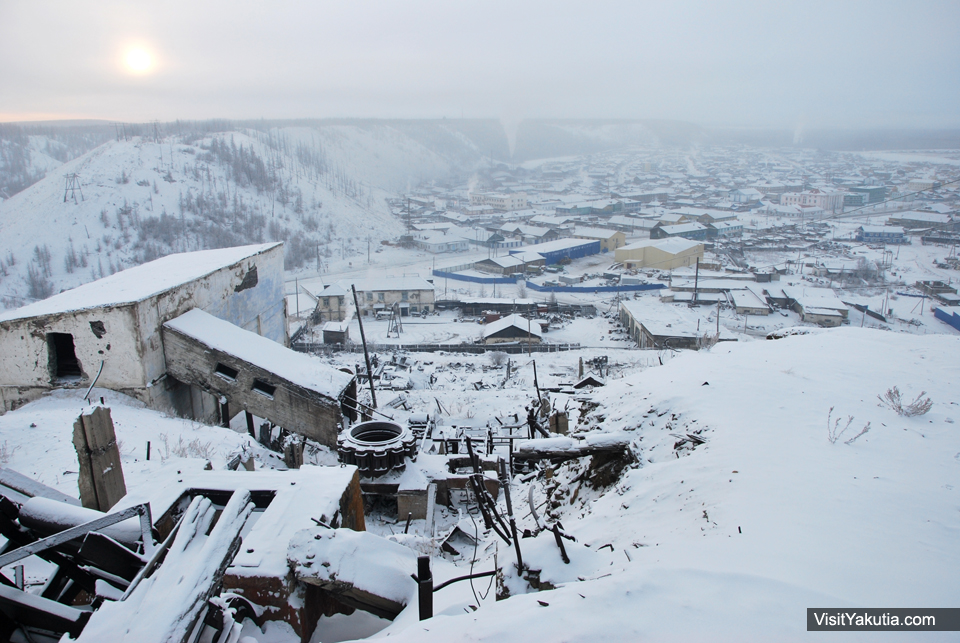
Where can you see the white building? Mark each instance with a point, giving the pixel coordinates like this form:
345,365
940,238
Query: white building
413,295
517,201
826,201
438,242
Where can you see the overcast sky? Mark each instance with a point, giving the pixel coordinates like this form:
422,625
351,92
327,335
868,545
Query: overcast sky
765,63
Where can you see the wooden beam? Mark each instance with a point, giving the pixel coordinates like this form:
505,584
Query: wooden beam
101,476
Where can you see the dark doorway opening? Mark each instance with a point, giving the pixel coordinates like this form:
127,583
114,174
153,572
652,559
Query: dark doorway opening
63,356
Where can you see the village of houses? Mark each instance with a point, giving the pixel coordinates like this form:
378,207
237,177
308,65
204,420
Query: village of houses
396,396
738,242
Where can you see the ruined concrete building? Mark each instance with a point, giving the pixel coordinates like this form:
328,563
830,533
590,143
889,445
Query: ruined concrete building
123,333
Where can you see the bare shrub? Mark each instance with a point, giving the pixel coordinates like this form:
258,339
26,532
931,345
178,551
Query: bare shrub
6,452
834,431
497,358
833,428
707,341
192,449
894,400
862,431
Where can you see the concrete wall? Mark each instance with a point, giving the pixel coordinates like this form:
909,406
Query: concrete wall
259,308
25,361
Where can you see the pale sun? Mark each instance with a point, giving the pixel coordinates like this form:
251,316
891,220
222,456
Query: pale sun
138,61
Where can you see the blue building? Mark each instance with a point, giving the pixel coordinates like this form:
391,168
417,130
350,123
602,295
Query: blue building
554,251
881,234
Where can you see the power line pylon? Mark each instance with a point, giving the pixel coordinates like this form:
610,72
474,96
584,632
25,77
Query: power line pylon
395,326
71,187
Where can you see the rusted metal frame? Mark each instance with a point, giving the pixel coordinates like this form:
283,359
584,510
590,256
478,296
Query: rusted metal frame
425,587
563,550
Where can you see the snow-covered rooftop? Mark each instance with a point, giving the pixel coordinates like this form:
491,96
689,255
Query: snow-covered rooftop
298,368
512,320
387,283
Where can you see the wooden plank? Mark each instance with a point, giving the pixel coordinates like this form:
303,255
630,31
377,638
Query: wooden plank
101,476
31,488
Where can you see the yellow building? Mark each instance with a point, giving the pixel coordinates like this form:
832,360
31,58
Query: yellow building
609,239
662,254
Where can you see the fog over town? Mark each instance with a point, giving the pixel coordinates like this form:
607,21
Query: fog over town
480,321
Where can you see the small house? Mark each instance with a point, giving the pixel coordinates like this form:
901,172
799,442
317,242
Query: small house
512,329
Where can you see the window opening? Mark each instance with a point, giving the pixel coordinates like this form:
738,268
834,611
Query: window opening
261,387
226,372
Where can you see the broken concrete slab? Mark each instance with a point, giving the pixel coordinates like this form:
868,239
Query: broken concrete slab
360,569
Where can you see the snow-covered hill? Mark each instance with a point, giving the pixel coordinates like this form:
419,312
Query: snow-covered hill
321,188
733,539
29,152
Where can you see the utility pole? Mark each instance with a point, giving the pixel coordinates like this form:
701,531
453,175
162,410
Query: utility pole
696,282
363,339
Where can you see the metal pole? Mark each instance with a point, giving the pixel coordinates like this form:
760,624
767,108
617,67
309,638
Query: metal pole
505,483
536,384
425,587
696,281
363,338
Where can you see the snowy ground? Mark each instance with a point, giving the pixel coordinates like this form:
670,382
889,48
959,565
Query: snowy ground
739,536
735,538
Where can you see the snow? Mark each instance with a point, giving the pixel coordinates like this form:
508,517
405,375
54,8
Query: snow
67,515
139,283
358,558
768,517
728,540
38,439
341,208
573,445
552,246
385,284
674,245
298,368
